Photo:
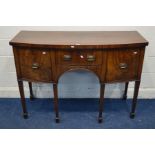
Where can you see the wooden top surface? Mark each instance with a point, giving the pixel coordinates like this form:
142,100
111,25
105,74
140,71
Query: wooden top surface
92,39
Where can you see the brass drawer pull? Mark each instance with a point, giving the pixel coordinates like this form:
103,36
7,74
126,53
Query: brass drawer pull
90,58
35,66
123,66
67,57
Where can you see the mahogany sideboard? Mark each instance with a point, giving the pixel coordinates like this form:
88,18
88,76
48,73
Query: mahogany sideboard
114,56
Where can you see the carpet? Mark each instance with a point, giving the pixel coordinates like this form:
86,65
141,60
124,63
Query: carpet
76,114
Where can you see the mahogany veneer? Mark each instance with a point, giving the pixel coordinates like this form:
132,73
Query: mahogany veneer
115,56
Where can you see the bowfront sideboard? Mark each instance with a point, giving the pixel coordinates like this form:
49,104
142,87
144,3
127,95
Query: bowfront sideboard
114,56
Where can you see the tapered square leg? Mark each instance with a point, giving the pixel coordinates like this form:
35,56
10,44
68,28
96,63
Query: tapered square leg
134,101
125,91
56,109
102,88
22,96
31,91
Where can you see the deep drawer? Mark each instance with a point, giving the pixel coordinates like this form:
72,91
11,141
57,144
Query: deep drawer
35,64
122,65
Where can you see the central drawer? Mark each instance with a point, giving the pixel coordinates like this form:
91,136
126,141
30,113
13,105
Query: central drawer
88,57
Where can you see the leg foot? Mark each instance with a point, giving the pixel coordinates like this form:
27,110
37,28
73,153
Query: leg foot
100,120
22,96
25,115
134,101
132,115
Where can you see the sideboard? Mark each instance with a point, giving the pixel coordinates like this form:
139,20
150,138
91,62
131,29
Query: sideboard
113,56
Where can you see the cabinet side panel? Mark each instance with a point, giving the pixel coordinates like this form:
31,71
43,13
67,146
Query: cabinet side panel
17,64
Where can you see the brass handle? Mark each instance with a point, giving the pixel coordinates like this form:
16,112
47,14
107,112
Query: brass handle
35,66
67,57
123,65
90,58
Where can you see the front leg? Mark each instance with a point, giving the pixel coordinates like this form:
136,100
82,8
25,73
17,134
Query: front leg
134,102
55,90
22,97
101,102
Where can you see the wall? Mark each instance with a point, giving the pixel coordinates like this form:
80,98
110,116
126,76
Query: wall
75,84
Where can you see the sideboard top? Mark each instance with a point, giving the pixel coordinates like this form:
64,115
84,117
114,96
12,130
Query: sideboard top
80,39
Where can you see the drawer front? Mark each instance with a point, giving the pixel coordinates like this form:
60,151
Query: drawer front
79,57
122,65
35,64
